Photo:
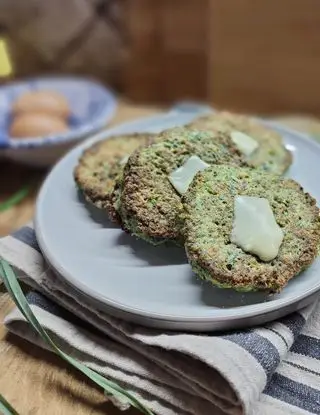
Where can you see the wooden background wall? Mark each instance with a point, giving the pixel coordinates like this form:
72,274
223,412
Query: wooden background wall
168,49
250,55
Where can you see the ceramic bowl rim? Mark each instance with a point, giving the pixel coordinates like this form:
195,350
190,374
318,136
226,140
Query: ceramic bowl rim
74,134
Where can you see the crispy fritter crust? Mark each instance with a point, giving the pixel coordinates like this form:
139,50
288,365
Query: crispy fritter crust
209,207
148,204
271,155
100,165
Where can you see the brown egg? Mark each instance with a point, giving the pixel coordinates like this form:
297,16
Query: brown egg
49,102
36,125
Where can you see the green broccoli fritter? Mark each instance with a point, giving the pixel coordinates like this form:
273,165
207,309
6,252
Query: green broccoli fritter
209,213
101,164
271,155
148,204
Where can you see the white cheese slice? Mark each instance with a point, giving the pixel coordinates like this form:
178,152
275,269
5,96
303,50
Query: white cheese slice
246,144
182,177
255,229
124,160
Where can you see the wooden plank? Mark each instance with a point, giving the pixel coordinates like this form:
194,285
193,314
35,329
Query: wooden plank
264,55
167,50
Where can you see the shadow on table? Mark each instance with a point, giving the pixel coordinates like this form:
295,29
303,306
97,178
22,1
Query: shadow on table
61,380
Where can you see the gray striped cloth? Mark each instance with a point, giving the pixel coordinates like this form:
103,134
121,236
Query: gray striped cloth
274,369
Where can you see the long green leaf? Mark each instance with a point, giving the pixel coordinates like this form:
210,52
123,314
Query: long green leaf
6,408
110,388
14,199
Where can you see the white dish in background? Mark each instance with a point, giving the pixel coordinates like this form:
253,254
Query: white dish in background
91,104
154,286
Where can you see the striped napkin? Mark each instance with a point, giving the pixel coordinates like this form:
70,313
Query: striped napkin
274,369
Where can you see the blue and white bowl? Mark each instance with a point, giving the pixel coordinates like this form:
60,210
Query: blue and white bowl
92,106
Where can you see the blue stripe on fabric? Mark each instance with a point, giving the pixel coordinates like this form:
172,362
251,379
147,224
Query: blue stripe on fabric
294,393
27,235
295,322
307,346
37,299
260,348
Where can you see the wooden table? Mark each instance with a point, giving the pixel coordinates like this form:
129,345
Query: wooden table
33,380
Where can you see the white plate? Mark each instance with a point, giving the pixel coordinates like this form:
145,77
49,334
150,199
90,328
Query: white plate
154,286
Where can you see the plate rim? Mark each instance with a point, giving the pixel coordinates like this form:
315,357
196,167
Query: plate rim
247,311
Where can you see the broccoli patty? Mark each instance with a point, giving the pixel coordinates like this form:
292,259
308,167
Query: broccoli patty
148,204
271,155
100,165
209,212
